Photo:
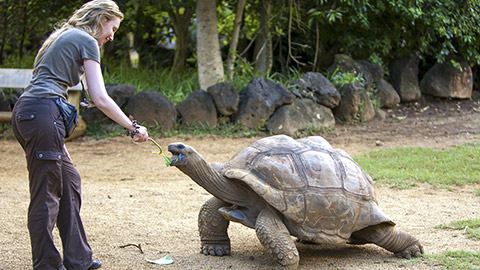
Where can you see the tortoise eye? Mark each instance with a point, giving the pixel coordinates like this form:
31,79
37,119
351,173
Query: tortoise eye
181,146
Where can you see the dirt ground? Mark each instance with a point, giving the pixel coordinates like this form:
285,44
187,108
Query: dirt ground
131,197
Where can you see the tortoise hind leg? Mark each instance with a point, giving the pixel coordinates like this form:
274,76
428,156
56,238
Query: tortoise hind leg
212,227
274,236
390,238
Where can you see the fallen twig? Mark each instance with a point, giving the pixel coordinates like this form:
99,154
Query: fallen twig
139,246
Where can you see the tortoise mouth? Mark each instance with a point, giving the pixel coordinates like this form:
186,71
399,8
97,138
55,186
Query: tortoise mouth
176,159
177,156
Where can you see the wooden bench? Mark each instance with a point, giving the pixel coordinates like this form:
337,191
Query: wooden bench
20,78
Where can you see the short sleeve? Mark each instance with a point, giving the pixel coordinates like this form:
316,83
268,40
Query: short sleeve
90,50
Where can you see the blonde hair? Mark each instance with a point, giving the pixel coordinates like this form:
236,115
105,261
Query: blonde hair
90,17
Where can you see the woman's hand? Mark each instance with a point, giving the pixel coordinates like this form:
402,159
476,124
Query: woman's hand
141,133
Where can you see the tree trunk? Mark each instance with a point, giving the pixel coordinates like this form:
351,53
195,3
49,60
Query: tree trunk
180,26
210,65
263,45
232,52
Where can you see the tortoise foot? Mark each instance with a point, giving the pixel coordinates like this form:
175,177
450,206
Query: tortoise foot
415,250
216,249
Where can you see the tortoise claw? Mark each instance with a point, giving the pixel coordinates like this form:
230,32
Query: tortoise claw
216,250
415,250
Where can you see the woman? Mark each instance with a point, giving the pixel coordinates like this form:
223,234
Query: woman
68,52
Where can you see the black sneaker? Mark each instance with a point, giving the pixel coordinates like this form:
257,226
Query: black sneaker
96,264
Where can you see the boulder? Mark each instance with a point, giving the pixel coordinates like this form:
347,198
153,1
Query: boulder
259,99
355,105
153,108
225,98
446,81
372,72
119,93
387,96
404,76
198,108
298,116
315,86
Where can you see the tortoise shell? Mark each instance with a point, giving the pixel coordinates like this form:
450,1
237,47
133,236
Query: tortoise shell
322,193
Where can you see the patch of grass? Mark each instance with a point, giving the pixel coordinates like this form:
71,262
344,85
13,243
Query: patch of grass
452,260
99,130
175,88
406,167
471,227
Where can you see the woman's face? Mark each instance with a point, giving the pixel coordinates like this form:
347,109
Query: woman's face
109,29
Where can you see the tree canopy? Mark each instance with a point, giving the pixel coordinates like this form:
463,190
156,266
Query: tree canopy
299,35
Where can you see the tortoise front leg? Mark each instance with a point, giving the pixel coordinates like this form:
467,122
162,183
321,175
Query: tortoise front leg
390,238
212,227
274,236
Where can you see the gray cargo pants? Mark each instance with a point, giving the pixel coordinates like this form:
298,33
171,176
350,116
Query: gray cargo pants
54,186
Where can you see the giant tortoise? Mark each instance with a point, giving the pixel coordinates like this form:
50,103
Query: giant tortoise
284,187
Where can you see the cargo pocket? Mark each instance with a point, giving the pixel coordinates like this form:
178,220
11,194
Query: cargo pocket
26,124
48,155
26,116
50,172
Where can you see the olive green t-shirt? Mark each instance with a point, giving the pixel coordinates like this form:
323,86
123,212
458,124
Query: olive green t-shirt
61,65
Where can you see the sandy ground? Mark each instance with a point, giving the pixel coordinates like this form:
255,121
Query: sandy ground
131,197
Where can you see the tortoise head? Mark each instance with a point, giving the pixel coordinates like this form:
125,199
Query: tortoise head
183,155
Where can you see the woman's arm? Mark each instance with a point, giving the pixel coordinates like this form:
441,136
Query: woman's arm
99,95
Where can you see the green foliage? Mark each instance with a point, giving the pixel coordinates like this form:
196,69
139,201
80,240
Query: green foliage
6,131
377,30
428,28
471,227
464,260
175,88
405,167
340,79
26,61
24,24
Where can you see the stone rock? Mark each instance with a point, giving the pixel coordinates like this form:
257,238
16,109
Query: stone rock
446,81
315,86
259,99
404,75
380,114
153,108
225,98
119,93
387,96
372,72
198,108
366,108
300,115
355,105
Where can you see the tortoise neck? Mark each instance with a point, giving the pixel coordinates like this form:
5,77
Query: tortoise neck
215,183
